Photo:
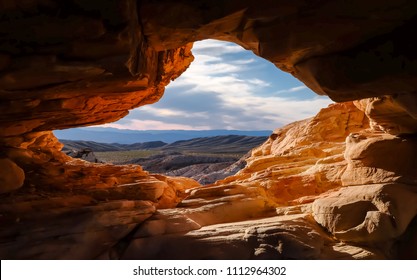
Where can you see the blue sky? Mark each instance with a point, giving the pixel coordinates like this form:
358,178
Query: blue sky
227,87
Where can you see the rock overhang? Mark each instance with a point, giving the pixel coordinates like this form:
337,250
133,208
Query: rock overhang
80,63
114,56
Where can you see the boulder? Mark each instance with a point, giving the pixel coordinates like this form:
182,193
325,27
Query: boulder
12,176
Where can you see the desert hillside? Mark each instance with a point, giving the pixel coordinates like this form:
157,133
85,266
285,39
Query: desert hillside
205,159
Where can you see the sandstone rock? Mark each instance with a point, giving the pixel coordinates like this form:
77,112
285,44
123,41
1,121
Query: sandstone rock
110,89
175,191
315,39
303,158
118,55
368,214
394,114
298,164
380,158
122,55
40,153
70,227
285,237
11,176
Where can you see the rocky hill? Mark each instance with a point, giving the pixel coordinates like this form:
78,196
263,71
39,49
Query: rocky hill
106,147
205,159
208,173
170,161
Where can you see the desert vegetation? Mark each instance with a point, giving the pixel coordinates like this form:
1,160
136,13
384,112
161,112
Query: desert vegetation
120,157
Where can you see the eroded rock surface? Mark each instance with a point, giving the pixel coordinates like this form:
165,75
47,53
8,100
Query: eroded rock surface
304,158
368,213
248,215
72,209
281,237
83,63
11,176
394,114
380,158
74,63
379,201
273,208
69,227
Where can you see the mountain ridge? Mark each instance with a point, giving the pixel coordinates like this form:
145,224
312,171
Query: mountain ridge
124,136
205,159
215,144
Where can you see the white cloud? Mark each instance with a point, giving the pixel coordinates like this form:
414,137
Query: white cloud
293,89
153,125
162,112
213,73
216,47
241,95
244,61
258,82
286,110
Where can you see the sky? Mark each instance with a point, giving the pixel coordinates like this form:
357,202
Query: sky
227,87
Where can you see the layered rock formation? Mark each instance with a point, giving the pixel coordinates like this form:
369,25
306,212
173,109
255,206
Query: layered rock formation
313,195
66,203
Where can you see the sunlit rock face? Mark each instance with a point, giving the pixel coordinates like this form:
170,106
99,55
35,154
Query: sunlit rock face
88,207
339,185
297,164
304,158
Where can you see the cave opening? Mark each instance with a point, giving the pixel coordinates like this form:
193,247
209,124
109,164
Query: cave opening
204,126
330,171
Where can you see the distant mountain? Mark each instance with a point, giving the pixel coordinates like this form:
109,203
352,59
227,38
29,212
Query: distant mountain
205,159
94,146
106,147
124,136
145,145
239,144
226,144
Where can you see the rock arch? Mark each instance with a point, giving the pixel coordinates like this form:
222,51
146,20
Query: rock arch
73,63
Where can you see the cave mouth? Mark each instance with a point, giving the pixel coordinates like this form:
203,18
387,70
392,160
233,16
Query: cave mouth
227,91
53,206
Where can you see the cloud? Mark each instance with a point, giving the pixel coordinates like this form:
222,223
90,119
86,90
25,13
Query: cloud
293,89
153,125
216,47
227,87
243,61
163,113
258,82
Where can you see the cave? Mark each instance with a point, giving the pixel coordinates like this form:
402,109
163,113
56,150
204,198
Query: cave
340,185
